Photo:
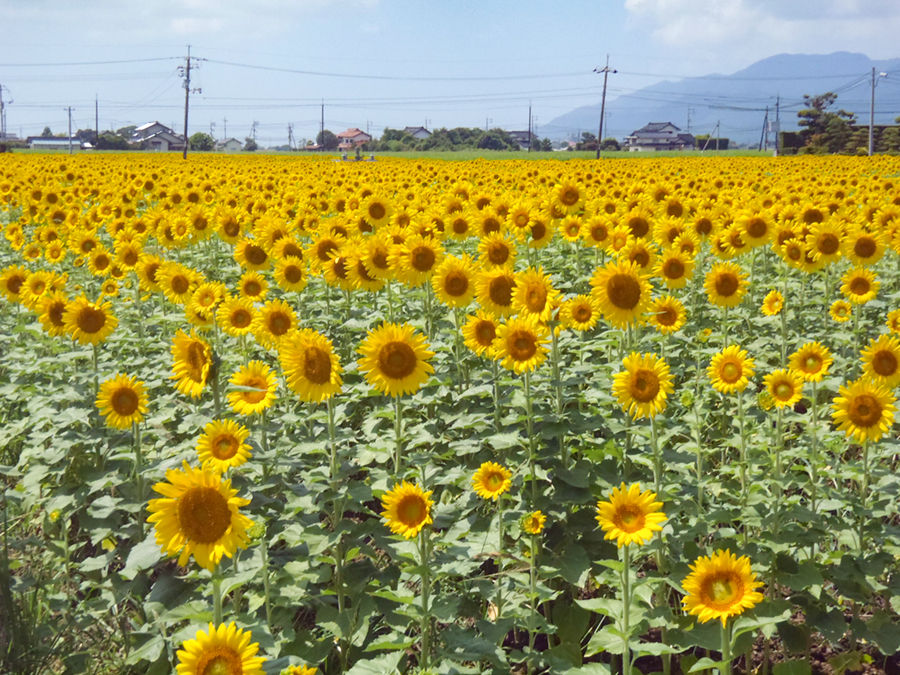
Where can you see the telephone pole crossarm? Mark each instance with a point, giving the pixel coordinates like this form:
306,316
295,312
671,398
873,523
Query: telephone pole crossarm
606,70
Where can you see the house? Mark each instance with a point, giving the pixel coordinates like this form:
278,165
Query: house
659,136
229,145
159,137
523,138
352,138
417,132
52,143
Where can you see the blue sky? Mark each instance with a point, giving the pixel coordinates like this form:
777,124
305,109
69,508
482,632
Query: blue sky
391,62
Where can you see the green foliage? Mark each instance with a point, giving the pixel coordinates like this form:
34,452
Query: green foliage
201,141
823,130
327,139
110,141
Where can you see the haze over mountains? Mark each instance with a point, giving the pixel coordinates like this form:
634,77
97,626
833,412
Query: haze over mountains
739,100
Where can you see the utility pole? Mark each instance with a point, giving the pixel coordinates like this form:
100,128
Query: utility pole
322,128
253,129
872,113
96,119
212,126
225,128
290,136
186,70
777,123
764,134
70,129
606,71
487,122
2,116
530,139
718,133
690,110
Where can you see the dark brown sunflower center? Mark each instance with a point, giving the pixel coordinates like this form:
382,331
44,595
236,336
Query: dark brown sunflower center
102,261
703,226
180,284
252,288
624,291
279,323
865,411
865,247
884,363
225,446
569,196
498,254
644,386
522,345
490,224
460,226
423,258
757,228
255,255
726,284
125,401
599,232
456,284
641,257
231,227
241,318
828,244
500,291
293,274
536,298
485,333
639,226
317,365
397,360
859,286
91,320
377,211
56,313
667,317
203,515
582,313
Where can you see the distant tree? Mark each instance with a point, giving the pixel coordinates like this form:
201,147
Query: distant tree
110,141
327,140
588,141
201,141
610,143
85,135
889,140
46,133
126,132
250,144
824,130
546,145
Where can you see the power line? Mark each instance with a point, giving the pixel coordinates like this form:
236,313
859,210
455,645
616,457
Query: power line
86,63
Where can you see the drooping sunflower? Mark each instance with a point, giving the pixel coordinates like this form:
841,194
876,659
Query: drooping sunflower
198,515
667,314
192,359
893,321
87,322
222,445
256,385
730,370
881,361
494,290
480,333
395,359
630,516
773,303
785,386
521,344
622,292
811,361
841,311
311,368
491,480
51,313
541,234
864,409
580,313
720,586
533,523
726,284
859,285
534,296
674,267
454,281
122,401
642,386
407,509
225,650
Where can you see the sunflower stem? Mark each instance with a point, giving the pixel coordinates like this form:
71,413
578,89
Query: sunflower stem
726,649
725,328
743,461
140,313
657,460
496,378
425,621
554,359
398,434
390,300
532,605
138,473
500,559
529,424
217,395
217,596
264,436
457,350
94,361
626,609
699,457
864,495
814,459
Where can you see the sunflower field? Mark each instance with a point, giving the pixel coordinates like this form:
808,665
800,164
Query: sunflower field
268,414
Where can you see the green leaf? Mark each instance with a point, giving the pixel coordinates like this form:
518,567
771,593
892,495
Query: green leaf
143,556
563,657
705,664
571,621
795,667
386,664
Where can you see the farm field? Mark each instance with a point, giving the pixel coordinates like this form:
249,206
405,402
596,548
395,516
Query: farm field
284,414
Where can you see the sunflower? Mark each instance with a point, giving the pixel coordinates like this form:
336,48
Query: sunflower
454,281
51,313
533,523
253,286
225,650
496,250
375,256
300,670
311,368
726,284
251,255
122,401
491,480
206,297
147,269
290,274
862,247
893,321
619,239
811,361
674,267
223,446
569,228
11,281
630,516
541,233
494,289
192,361
859,285
642,253
256,385
377,210
534,296
235,316
642,387
337,270
667,314
841,311
407,509
521,344
87,322
569,196
720,586
864,409
99,261
730,370
785,386
881,361
273,321
415,260
395,359
580,313
622,293
480,332
824,240
773,303
34,288
198,515
177,282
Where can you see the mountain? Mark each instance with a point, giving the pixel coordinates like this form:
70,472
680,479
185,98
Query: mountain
739,100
